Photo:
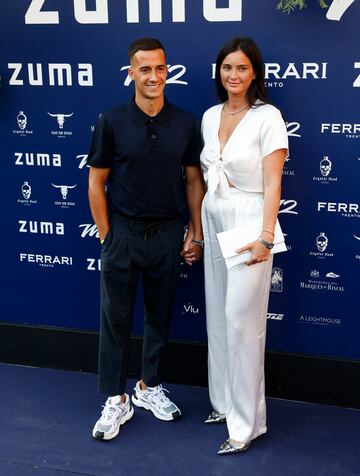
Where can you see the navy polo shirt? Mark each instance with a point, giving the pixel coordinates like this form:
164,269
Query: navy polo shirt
146,156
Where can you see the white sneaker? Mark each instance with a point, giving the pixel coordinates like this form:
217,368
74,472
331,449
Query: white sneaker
114,414
154,399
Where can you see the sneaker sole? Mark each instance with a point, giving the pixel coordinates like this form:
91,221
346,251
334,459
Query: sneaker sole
102,436
141,404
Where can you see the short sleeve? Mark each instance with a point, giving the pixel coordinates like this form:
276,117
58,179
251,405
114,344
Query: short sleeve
192,152
101,151
273,134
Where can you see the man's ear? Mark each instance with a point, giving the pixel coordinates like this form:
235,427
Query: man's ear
131,73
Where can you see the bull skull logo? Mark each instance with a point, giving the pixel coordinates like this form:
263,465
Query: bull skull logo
60,118
64,189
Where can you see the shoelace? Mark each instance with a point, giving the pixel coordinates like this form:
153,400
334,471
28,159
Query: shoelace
109,412
159,396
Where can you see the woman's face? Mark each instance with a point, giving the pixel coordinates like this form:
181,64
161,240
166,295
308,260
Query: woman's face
236,73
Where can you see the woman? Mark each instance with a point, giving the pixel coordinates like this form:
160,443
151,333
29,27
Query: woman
245,146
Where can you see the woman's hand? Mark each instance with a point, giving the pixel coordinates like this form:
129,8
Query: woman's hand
259,252
191,252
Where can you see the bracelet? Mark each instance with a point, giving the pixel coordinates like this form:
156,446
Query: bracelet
268,231
198,242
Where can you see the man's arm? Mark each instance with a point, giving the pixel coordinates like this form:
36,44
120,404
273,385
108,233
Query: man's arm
97,199
195,191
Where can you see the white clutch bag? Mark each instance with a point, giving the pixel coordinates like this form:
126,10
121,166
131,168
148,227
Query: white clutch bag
235,238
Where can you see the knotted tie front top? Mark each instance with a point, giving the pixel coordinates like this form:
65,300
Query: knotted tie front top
261,131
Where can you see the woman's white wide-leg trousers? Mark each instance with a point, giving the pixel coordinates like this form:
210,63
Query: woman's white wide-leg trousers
236,312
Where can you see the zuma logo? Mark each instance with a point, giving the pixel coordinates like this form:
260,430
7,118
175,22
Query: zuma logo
100,15
57,74
42,227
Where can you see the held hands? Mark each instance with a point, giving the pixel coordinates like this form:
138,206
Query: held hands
191,252
259,252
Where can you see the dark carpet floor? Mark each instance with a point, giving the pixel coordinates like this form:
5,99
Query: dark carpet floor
47,417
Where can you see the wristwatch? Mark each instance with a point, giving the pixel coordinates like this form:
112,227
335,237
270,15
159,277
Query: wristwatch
267,244
198,242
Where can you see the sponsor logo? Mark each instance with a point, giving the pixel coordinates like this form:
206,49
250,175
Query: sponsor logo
315,283
277,278
175,72
45,261
89,229
319,320
357,256
38,12
293,128
83,159
351,131
42,227
189,308
275,317
92,127
356,83
322,243
37,159
325,167
183,272
22,123
348,210
26,192
93,264
52,74
337,9
60,119
288,245
288,206
64,190
275,73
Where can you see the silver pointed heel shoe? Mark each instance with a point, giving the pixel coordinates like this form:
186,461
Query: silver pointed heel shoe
216,417
229,448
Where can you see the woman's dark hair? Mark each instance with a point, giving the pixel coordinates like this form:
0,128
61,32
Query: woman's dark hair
249,48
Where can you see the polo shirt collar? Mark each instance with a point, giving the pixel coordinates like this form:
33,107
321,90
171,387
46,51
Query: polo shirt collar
140,118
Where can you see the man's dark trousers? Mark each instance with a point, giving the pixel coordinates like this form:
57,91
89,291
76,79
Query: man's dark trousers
133,248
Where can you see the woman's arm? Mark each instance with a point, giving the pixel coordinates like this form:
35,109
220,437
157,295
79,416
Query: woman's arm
273,166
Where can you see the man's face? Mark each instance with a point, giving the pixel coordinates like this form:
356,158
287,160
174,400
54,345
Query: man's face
148,70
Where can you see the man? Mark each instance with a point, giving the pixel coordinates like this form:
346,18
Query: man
140,150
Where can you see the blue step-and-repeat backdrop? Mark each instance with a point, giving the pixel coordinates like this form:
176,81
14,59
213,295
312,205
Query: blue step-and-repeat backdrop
64,62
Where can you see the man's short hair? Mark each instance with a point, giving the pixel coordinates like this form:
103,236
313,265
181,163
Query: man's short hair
145,44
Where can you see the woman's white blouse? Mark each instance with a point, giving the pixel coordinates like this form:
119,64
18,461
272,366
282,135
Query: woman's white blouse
261,131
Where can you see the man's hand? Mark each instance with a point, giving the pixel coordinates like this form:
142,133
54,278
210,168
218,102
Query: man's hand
191,252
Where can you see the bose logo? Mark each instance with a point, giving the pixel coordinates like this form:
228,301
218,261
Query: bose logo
100,15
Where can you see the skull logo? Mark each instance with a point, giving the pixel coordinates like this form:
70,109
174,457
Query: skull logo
325,167
26,190
322,242
21,120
